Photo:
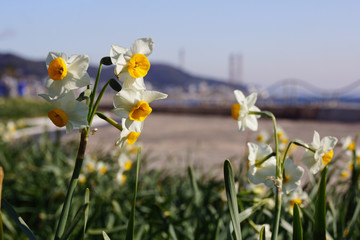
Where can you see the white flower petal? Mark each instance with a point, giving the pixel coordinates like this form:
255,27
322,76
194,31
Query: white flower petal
143,46
241,125
149,96
115,52
316,140
294,173
126,98
240,97
133,83
121,112
251,122
251,99
69,127
53,55
328,143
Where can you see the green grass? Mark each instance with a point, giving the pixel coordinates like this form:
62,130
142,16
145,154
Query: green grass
17,108
178,205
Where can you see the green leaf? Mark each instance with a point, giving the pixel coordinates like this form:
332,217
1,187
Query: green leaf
249,211
105,236
262,234
19,221
74,222
194,186
1,228
86,213
172,232
106,61
297,227
114,84
320,209
354,218
232,198
131,223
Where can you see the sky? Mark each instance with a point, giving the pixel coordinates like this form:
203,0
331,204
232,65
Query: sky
315,41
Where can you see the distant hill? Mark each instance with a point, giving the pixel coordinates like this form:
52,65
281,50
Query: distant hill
160,76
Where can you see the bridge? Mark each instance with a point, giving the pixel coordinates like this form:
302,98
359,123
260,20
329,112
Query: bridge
297,92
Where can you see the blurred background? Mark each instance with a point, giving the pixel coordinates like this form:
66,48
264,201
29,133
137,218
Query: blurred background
302,57
292,53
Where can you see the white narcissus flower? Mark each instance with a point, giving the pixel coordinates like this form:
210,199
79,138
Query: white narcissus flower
259,171
130,134
101,167
263,137
323,152
347,143
90,163
240,111
292,176
268,232
120,177
132,63
133,104
67,111
298,196
283,139
65,73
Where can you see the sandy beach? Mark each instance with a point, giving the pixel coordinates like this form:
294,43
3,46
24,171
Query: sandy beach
176,141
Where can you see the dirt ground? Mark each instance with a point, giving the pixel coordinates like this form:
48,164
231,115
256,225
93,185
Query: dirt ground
176,141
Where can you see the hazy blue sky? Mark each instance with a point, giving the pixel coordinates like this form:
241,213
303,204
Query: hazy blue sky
316,41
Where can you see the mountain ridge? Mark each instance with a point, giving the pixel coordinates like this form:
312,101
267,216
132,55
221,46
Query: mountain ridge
161,76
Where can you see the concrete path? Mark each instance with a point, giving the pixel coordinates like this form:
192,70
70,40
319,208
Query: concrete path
206,141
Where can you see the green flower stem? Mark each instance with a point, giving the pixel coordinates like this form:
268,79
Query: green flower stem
1,224
271,115
278,180
298,143
94,108
273,154
74,179
109,120
92,96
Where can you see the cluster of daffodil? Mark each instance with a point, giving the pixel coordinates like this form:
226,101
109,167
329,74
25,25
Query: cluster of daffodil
68,75
8,129
351,153
120,162
275,168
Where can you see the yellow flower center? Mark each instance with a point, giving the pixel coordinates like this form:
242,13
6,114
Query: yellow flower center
128,165
90,167
351,166
123,179
58,117
248,164
358,160
103,170
82,179
327,157
138,65
284,140
286,179
132,137
296,200
258,190
351,146
57,69
259,138
140,111
235,111
344,174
